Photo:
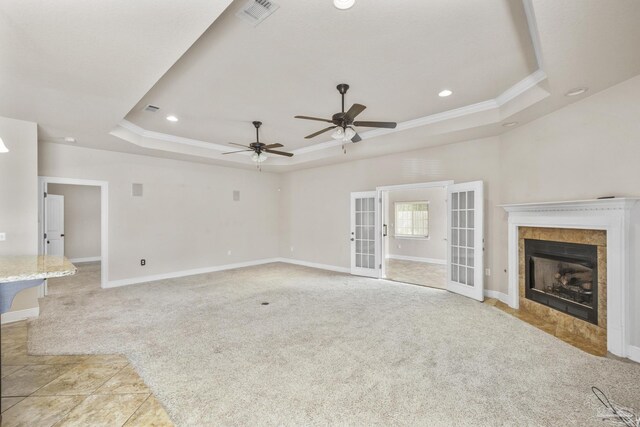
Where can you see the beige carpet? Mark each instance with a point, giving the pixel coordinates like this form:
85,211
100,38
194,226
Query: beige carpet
87,279
332,349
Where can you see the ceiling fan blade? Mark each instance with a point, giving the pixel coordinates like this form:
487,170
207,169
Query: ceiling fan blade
279,153
356,138
319,132
313,118
239,145
239,151
273,146
387,125
353,112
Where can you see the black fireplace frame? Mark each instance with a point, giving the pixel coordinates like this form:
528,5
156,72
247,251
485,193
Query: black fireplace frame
578,253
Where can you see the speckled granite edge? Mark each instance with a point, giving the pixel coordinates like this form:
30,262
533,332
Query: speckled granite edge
21,268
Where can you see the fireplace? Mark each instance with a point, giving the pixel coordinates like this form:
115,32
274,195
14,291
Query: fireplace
563,276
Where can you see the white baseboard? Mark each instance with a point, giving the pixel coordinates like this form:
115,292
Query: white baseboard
87,259
183,273
18,315
633,353
315,265
502,297
417,259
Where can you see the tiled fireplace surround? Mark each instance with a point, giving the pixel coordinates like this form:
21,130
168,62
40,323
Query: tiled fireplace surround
609,224
568,326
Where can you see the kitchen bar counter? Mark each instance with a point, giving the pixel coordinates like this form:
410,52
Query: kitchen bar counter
21,268
22,272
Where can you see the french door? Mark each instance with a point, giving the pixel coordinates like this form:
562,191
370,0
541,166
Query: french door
465,242
364,253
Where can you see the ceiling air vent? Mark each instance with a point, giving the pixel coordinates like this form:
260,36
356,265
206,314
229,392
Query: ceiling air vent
256,11
151,108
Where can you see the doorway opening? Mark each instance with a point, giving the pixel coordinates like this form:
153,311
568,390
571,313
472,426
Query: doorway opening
73,222
379,221
414,235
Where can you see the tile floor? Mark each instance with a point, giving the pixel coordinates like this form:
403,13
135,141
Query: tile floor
83,390
548,327
417,273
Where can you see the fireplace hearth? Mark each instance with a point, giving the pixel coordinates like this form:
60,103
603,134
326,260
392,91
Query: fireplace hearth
563,276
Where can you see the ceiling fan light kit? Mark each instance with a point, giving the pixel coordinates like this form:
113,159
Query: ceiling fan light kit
343,123
259,149
343,4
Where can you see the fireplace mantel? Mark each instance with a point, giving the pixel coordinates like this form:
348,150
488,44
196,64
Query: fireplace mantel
620,217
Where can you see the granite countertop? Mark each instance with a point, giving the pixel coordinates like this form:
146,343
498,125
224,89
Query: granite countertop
32,267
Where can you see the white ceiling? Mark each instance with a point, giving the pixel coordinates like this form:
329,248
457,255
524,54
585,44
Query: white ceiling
505,60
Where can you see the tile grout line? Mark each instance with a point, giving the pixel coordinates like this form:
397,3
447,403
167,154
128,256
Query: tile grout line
136,410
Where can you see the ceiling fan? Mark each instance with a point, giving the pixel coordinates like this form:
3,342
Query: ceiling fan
259,149
343,123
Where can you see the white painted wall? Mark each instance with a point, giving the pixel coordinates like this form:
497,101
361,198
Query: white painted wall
81,219
435,247
19,197
585,150
186,219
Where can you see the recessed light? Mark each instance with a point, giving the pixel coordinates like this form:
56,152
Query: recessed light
172,118
343,4
577,91
509,124
69,139
445,93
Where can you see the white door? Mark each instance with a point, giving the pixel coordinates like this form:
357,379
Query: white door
466,239
364,257
54,222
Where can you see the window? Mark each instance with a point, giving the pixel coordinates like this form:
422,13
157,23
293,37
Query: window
412,219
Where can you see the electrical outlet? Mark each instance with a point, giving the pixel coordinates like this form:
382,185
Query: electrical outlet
143,262
487,272
3,237
229,252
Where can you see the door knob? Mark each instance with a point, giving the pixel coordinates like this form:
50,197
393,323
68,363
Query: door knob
47,242
352,239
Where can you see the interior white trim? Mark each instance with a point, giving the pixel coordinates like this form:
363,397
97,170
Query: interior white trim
315,265
18,315
86,259
43,182
204,270
612,215
415,185
183,273
534,34
634,353
500,296
418,259
156,140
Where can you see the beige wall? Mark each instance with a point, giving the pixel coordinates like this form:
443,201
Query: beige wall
19,197
81,219
186,219
585,150
315,208
435,247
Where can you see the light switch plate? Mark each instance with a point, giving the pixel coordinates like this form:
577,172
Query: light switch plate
3,237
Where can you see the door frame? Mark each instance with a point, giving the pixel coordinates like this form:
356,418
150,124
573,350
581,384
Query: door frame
43,182
382,194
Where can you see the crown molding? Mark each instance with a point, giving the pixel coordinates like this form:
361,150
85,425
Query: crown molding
157,140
